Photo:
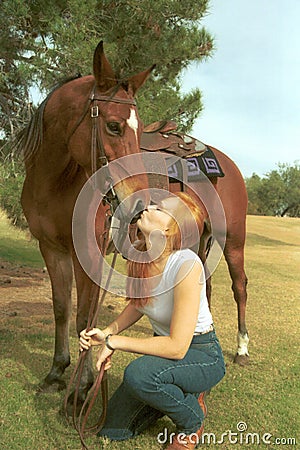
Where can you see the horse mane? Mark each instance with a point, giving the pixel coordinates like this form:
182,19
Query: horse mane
29,139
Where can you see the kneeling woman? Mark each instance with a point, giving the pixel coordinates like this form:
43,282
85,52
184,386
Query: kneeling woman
183,359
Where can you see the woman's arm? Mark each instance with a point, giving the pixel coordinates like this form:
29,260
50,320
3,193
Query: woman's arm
183,323
127,317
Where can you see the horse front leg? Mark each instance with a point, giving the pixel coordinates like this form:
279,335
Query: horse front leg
234,256
87,291
59,265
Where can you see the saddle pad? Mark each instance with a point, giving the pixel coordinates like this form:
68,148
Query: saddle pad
205,163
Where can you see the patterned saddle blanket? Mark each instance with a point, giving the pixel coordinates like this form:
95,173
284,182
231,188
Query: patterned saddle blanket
200,158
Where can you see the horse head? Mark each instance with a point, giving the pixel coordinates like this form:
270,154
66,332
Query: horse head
116,132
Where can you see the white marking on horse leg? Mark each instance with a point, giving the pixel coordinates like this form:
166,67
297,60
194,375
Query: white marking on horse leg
133,121
243,341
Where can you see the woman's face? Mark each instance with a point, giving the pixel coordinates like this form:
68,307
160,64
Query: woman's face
158,217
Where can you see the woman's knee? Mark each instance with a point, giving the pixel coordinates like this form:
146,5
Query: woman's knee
132,373
137,375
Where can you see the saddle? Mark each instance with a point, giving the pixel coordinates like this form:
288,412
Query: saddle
162,136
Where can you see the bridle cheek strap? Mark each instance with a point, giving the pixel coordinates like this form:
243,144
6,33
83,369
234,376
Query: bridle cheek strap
97,141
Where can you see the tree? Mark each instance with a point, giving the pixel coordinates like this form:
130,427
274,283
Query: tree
278,193
42,41
290,177
253,184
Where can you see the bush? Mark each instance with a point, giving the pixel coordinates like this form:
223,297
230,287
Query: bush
12,176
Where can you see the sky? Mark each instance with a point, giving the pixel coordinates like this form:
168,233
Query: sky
250,85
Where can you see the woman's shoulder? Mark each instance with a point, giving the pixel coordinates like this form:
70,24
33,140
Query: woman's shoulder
188,260
178,257
186,254
180,260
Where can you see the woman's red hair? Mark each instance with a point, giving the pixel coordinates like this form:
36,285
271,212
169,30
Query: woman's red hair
184,232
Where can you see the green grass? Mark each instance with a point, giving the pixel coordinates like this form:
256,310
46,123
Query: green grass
264,394
18,246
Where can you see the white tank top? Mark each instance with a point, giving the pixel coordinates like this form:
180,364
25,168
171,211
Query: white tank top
160,308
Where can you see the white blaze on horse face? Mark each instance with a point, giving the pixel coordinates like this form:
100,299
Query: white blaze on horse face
133,121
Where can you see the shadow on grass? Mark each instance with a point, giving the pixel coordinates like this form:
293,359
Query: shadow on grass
257,239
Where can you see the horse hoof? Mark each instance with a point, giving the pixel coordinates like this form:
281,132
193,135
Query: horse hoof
48,388
69,411
241,360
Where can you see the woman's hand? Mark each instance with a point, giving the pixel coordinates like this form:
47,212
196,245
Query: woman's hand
89,338
104,355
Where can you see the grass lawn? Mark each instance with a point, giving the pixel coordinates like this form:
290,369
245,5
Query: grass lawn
17,246
256,406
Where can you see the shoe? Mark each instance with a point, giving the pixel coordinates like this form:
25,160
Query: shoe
191,441
201,401
182,442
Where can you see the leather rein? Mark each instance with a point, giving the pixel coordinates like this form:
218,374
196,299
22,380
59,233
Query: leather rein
97,148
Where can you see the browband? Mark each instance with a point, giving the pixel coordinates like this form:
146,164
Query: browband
106,98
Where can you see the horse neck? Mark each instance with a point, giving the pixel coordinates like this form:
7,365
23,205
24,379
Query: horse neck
50,158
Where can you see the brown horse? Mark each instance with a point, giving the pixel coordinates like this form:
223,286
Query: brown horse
80,127
233,195
225,200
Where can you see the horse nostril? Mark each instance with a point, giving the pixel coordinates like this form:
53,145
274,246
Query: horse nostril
140,206
137,210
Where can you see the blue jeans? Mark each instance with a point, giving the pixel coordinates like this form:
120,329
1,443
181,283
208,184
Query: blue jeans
153,387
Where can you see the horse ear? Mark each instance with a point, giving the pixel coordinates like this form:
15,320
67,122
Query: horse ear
103,72
135,82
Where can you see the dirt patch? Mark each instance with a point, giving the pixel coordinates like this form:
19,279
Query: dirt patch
15,275
24,291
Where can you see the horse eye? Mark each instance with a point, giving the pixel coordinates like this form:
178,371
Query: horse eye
114,128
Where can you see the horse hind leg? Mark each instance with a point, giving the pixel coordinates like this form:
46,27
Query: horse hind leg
203,252
59,265
234,256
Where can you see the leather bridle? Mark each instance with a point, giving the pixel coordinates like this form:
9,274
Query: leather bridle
97,141
98,160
